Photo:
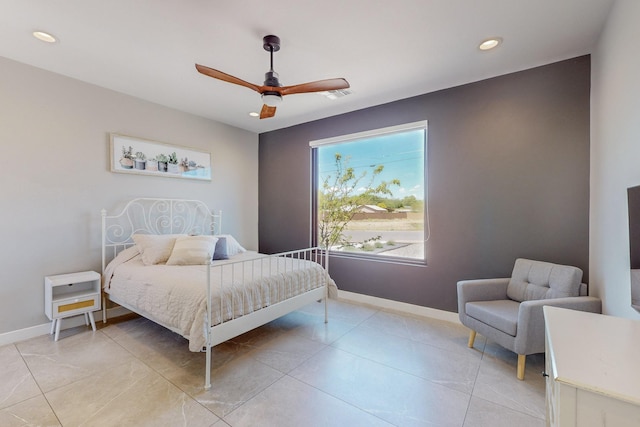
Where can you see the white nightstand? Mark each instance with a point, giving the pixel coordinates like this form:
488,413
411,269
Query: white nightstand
67,295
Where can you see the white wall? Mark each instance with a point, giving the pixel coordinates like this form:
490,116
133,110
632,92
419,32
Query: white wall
615,155
55,178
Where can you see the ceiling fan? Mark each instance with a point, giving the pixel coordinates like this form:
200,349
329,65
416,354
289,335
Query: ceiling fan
272,91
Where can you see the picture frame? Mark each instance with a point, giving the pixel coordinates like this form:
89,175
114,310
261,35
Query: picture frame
140,156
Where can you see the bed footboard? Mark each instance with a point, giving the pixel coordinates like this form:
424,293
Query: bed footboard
286,267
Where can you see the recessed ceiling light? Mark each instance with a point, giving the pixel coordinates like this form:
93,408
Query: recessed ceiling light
45,37
490,43
254,114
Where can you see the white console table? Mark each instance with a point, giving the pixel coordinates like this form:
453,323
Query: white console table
593,367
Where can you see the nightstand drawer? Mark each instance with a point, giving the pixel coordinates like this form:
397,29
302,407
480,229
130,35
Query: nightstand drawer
71,306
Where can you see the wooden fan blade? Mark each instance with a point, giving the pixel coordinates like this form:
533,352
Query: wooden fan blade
318,86
225,77
267,112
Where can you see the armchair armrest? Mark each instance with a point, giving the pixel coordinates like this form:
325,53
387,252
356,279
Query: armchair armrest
530,335
481,290
583,303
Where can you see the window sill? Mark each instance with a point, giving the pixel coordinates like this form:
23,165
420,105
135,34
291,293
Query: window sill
378,258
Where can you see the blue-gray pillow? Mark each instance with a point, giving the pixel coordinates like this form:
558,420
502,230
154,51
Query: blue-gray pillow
221,251
233,247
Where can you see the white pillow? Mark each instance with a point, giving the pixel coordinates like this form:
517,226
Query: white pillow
155,248
192,250
233,247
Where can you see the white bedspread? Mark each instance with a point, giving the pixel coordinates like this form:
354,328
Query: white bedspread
175,296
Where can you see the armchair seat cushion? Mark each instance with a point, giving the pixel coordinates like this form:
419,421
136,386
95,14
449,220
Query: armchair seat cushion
500,314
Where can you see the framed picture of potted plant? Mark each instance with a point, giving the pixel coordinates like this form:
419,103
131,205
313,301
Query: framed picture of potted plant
146,157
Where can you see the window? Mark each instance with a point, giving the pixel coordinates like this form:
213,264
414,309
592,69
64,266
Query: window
369,193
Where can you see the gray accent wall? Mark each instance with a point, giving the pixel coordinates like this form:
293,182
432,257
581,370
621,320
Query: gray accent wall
508,177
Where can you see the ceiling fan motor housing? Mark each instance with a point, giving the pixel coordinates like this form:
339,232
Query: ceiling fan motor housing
271,79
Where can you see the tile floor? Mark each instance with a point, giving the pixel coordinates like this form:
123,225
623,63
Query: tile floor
366,367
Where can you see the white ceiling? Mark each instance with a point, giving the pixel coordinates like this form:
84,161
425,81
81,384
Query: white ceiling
387,50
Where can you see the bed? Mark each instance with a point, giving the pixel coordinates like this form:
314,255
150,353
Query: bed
168,261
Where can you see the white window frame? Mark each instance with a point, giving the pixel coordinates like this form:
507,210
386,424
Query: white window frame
419,125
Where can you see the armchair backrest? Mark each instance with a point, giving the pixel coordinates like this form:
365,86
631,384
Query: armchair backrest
584,290
534,280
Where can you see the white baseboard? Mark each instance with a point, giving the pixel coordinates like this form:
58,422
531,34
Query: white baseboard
416,310
45,328
26,333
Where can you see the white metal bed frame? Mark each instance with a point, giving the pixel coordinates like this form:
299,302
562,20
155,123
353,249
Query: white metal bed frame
178,216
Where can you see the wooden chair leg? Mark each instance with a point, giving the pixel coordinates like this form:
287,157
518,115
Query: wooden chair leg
472,338
522,359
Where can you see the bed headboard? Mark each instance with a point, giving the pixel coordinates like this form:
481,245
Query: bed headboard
155,216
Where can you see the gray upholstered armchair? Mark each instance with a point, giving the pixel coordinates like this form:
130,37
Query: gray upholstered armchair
509,311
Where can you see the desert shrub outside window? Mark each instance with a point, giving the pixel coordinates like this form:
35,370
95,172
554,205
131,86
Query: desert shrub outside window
369,195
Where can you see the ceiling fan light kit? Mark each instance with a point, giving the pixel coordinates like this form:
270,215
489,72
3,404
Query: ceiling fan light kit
271,99
272,91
